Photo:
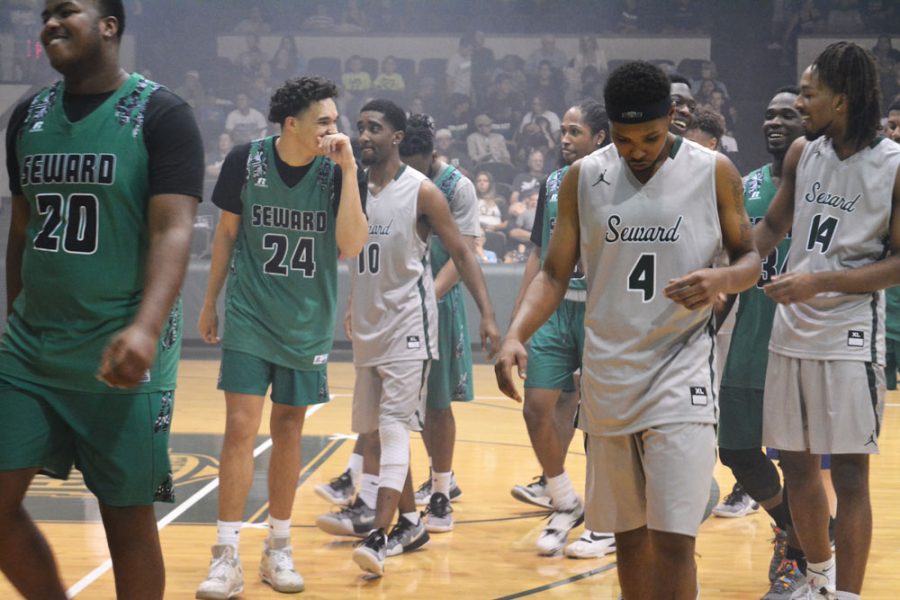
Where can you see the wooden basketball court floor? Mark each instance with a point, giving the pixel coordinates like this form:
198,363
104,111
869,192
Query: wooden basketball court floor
489,554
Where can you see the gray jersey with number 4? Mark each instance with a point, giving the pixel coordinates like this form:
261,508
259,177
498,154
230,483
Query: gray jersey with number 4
394,311
647,360
842,214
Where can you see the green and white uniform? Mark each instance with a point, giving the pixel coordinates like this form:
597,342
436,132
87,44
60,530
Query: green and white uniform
554,354
450,377
744,376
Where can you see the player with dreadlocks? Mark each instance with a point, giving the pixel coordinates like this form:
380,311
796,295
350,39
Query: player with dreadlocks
825,380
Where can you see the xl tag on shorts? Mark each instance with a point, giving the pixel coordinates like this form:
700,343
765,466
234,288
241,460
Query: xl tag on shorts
856,338
320,359
412,342
699,396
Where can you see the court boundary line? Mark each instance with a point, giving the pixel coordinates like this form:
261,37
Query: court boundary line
560,583
179,510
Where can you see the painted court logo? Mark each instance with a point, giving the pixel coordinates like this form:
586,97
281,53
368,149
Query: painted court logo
699,397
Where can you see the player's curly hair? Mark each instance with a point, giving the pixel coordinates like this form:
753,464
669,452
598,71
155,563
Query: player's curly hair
419,138
393,114
636,83
296,95
709,122
849,69
113,8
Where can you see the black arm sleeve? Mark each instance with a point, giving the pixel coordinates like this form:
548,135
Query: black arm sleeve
175,146
227,192
12,131
537,231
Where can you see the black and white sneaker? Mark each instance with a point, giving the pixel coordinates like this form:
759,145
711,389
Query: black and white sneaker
535,493
339,490
439,514
406,536
355,520
591,544
370,553
423,494
559,524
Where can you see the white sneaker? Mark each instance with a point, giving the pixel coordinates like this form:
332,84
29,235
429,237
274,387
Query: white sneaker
277,566
560,523
591,545
535,493
808,593
736,504
226,577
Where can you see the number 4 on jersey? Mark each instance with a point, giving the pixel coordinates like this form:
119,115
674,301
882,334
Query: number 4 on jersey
643,276
821,232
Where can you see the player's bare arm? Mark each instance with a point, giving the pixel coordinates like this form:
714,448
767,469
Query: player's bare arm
448,276
769,232
797,287
223,243
702,287
532,268
352,229
546,290
433,207
15,248
170,220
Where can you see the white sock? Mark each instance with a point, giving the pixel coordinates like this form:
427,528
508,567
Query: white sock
412,517
368,489
279,528
355,466
848,596
822,574
229,532
440,483
561,491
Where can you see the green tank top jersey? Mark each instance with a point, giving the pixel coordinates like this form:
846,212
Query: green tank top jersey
554,181
446,181
83,266
749,351
282,289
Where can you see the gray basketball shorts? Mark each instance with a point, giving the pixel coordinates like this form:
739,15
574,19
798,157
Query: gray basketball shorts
658,477
823,406
390,393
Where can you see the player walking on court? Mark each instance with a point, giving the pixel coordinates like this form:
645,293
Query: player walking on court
646,216
551,398
290,203
824,390
106,169
394,319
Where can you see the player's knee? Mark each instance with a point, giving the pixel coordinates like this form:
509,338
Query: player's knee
394,456
754,471
538,410
849,477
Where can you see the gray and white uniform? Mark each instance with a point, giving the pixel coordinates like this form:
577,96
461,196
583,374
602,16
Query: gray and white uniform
825,381
393,310
648,385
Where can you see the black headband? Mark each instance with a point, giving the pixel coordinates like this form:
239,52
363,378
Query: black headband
640,113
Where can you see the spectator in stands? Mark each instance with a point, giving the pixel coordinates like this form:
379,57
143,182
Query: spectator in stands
428,91
288,61
482,67
451,152
591,83
549,52
481,255
253,23
262,86
707,128
416,106
589,54
631,18
491,205
191,90
245,123
550,84
844,17
459,117
886,56
321,20
878,12
389,80
355,79
506,119
807,19
705,89
511,66
523,182
215,158
708,72
250,59
503,93
353,19
890,86
484,145
459,68
536,137
685,17
539,109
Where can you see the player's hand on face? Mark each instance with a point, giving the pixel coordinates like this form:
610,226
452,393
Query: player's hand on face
127,357
208,325
336,146
695,290
512,354
788,288
490,336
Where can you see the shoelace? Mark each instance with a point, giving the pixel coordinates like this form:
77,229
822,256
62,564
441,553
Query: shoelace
283,560
538,481
425,487
219,568
399,529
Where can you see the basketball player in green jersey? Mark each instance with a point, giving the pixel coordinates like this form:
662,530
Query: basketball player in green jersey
551,398
290,203
106,169
744,376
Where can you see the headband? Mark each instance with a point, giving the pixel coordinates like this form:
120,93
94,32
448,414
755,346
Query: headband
639,113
